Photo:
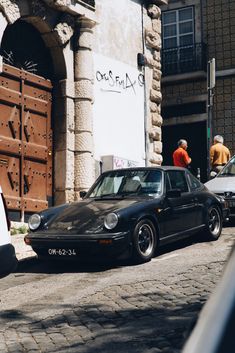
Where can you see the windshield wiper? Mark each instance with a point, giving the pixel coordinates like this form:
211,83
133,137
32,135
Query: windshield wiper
108,196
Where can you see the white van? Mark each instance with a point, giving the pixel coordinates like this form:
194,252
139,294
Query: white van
8,260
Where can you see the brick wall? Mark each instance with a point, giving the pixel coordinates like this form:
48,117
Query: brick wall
182,90
224,111
219,33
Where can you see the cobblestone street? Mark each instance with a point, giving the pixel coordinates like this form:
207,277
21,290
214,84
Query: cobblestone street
147,308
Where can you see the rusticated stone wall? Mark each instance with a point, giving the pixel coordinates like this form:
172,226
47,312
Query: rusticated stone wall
153,74
10,10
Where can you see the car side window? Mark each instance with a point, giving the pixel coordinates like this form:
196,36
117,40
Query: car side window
178,180
194,182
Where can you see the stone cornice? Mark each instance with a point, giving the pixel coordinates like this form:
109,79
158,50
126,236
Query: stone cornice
156,2
73,8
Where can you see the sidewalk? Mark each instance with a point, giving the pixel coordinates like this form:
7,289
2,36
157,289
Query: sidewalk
23,251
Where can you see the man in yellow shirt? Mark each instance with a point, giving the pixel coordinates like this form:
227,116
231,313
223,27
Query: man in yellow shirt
219,154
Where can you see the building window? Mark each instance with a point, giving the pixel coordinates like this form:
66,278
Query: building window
180,53
178,28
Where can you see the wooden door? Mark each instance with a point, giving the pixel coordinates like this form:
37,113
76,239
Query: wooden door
25,140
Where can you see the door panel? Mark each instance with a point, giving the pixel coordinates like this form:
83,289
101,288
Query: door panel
25,139
179,212
10,121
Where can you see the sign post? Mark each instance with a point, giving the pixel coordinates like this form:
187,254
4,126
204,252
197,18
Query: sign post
210,92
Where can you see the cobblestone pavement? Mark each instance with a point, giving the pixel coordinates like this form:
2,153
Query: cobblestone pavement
150,314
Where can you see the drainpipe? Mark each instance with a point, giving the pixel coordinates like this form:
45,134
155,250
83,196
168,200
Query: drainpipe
146,140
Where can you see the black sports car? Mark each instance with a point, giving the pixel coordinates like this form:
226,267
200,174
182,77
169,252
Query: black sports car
129,212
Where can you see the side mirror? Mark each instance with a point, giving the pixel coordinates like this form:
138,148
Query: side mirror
82,194
212,175
173,193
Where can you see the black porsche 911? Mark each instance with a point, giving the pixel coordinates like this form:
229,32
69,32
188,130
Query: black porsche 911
129,212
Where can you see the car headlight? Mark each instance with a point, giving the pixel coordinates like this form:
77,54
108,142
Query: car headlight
111,220
34,221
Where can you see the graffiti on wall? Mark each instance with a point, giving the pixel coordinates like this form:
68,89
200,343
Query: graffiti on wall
112,82
123,163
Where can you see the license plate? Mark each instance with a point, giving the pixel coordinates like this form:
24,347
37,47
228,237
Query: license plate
62,252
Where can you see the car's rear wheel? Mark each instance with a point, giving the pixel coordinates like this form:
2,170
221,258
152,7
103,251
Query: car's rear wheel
144,241
214,223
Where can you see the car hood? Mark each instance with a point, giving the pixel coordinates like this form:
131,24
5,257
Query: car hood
87,216
220,185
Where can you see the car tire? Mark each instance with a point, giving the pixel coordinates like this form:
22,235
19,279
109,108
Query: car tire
144,241
214,223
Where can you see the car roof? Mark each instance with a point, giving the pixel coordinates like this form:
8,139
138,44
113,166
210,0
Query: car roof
163,168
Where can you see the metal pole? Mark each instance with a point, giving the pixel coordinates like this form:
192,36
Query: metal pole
209,119
210,93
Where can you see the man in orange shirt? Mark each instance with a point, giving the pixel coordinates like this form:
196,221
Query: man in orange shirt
180,155
219,154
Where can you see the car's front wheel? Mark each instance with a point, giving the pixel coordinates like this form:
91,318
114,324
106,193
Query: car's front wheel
144,241
214,223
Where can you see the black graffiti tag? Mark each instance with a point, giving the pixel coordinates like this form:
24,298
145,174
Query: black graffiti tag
116,83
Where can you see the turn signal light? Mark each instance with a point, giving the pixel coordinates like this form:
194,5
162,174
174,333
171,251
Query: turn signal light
105,241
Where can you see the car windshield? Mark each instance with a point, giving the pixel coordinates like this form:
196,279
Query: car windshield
229,169
121,183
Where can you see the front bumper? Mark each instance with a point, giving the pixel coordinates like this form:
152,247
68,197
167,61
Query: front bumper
80,246
8,260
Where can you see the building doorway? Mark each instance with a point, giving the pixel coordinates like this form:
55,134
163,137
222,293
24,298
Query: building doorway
195,134
26,133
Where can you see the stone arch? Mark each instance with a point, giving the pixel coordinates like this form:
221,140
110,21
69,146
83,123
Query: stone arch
22,46
55,29
55,26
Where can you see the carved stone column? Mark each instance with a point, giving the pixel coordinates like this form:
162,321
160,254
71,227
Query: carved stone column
84,168
153,61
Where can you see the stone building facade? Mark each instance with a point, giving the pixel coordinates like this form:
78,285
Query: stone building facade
184,86
103,60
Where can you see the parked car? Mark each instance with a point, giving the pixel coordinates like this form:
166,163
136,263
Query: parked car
8,260
214,330
129,212
224,184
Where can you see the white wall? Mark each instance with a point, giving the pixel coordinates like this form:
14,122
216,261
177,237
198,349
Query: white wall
119,29
119,127
118,110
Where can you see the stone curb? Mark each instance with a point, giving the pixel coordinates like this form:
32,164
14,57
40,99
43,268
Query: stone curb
22,250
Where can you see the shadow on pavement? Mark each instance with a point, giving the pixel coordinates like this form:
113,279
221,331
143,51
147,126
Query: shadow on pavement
35,265
143,317
149,322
